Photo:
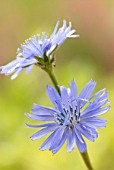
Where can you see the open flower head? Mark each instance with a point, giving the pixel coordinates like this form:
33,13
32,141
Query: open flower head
72,117
38,50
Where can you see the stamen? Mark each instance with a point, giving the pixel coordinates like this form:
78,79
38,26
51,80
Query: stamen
69,117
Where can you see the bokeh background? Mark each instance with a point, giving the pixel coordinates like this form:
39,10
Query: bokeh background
89,57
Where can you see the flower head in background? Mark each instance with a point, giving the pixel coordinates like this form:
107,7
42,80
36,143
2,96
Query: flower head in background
38,50
72,117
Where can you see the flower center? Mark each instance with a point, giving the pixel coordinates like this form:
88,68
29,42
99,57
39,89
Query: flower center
69,117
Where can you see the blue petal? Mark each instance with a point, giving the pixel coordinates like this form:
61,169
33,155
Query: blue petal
70,140
43,132
89,128
73,90
64,97
16,73
63,139
64,26
36,46
41,117
100,100
102,94
63,33
48,46
61,40
94,106
51,49
57,137
31,48
28,62
80,141
28,69
69,34
86,132
27,53
86,93
43,125
46,144
95,121
96,112
10,67
53,95
41,110
55,30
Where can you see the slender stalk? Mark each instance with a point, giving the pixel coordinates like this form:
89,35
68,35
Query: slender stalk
53,79
87,160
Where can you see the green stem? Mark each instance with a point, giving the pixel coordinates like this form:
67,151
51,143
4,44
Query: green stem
87,160
53,79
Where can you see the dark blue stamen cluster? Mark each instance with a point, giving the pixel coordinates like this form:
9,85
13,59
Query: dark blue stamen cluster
71,115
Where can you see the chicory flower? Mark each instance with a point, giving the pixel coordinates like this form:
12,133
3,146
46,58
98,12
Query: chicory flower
38,50
72,117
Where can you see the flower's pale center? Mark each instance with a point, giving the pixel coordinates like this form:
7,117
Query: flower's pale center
69,117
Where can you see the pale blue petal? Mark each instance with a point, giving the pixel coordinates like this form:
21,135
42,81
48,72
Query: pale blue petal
41,117
55,30
28,69
70,140
80,141
16,73
64,97
57,137
53,95
86,93
88,126
86,132
96,112
73,90
43,132
31,48
69,34
94,106
37,47
52,48
63,139
101,98
61,41
41,110
43,125
95,121
46,144
28,62
10,68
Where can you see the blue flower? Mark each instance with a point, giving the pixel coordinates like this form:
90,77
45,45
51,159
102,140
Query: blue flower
71,118
38,50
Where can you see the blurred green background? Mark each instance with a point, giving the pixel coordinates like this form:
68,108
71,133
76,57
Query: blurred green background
89,57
